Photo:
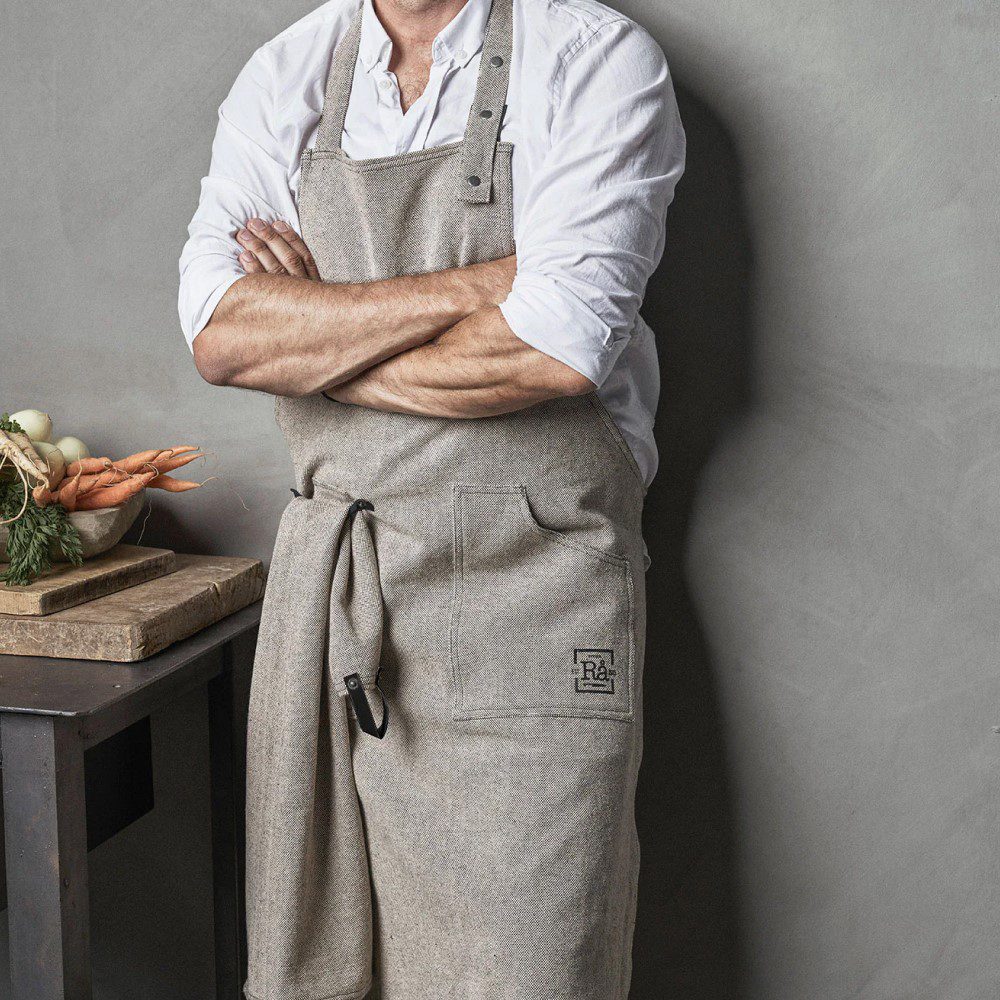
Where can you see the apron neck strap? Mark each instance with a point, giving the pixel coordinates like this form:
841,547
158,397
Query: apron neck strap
482,130
338,86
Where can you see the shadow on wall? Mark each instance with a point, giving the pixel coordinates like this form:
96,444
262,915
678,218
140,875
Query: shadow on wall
687,939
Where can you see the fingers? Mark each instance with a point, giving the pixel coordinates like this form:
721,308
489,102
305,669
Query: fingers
271,250
250,263
263,242
298,244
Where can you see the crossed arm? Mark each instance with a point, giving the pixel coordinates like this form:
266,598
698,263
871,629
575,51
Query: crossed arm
432,344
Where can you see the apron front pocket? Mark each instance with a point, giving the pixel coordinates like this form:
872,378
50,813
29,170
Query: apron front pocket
541,623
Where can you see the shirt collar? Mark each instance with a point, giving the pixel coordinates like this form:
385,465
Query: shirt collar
376,45
458,41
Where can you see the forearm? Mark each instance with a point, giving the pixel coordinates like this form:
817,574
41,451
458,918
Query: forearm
477,368
293,337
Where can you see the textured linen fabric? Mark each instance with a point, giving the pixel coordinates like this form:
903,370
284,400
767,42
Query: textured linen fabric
599,148
486,847
302,804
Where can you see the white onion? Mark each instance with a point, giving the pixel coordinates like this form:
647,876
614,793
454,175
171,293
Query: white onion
73,449
34,423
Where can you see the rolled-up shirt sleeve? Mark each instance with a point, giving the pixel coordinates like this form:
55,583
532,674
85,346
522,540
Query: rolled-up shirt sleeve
591,230
248,176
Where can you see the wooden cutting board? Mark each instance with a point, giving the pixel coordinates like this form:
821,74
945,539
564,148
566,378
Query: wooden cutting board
66,586
134,624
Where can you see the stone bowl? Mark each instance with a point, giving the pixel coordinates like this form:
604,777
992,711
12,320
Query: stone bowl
99,530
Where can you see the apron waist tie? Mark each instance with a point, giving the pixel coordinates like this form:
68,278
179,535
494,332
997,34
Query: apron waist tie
307,865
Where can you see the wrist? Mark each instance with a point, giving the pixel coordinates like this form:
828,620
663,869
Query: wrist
482,286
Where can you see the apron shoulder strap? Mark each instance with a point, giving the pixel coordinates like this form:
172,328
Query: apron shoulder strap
482,130
338,87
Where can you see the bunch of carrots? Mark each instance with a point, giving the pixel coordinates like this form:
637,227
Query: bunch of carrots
94,483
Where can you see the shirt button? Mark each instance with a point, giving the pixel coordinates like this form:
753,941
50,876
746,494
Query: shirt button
460,55
385,84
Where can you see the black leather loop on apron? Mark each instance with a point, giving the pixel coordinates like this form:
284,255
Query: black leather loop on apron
359,505
363,711
355,687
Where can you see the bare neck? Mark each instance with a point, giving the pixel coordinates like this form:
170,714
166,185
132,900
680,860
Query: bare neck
414,24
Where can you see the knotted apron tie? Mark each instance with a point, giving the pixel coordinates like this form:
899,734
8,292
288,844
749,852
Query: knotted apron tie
355,624
319,649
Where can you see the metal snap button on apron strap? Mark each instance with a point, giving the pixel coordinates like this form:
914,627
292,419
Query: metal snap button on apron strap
497,60
475,181
486,113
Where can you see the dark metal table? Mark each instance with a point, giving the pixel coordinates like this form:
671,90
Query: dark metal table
51,712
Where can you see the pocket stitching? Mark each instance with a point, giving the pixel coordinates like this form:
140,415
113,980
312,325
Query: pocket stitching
458,593
528,518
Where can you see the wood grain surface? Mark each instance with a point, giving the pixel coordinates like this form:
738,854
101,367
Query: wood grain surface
133,624
66,586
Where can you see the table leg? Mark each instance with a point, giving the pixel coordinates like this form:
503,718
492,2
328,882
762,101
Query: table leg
45,826
227,742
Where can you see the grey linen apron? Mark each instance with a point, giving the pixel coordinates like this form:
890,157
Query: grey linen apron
488,575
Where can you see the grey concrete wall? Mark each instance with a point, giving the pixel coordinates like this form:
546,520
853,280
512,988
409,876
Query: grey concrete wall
819,794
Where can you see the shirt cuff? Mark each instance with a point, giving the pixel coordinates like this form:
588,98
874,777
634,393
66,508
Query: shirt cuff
200,295
552,320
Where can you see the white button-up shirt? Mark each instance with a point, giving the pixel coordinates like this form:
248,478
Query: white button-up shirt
598,149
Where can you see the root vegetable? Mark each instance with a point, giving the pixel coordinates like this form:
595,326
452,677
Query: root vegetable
88,466
170,464
135,462
172,485
112,496
34,423
17,449
54,462
68,492
73,448
42,495
109,477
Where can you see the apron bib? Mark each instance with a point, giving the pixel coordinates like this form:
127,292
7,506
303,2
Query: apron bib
472,836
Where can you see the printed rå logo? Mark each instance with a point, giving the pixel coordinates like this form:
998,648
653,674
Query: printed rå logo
594,671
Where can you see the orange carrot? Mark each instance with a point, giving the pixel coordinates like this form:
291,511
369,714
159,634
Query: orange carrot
107,478
88,466
133,463
112,496
169,464
42,495
172,485
68,492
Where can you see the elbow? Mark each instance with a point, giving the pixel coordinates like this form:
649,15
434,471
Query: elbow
565,381
211,358
545,377
572,383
